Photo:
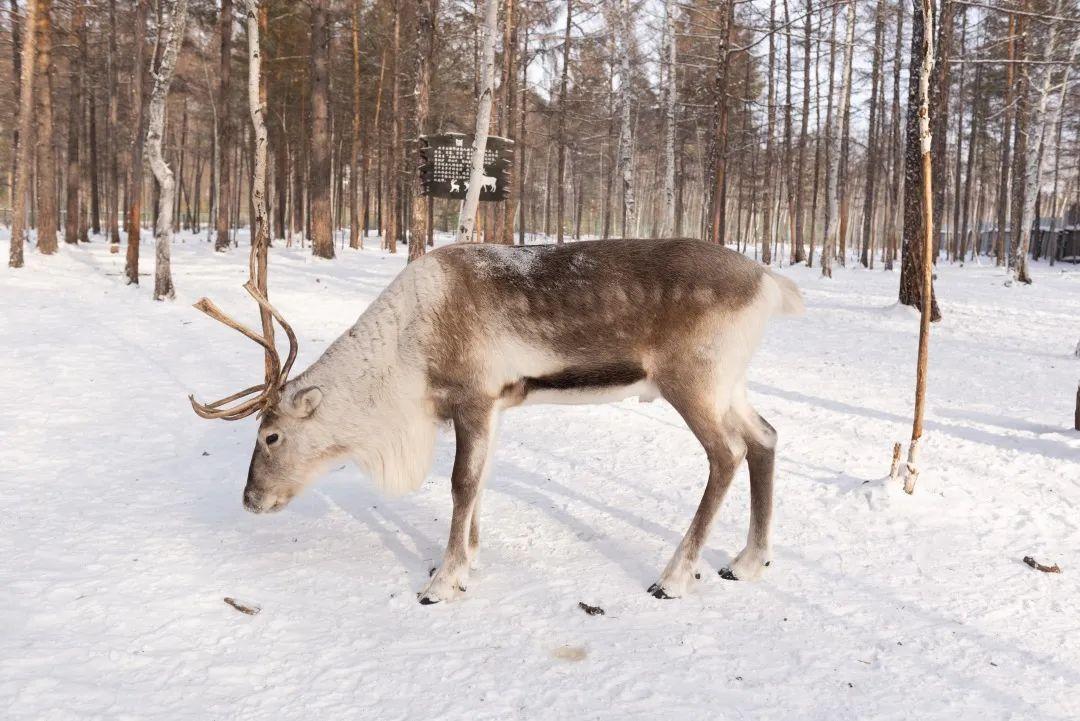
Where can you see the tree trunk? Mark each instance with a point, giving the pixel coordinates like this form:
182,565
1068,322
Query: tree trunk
626,138
1038,123
718,203
16,88
355,240
523,110
46,157
667,225
174,17
976,128
322,238
866,256
804,124
71,215
225,127
954,226
897,184
559,179
26,128
1006,133
427,11
834,193
922,67
483,120
256,13
1020,149
393,172
939,101
917,199
845,145
112,139
135,160
770,153
788,165
92,135
508,209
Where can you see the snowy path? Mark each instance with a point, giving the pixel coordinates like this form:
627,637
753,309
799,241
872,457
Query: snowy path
122,527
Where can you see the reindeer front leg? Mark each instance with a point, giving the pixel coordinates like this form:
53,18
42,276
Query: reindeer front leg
474,431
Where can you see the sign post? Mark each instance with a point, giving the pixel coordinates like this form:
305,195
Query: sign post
445,166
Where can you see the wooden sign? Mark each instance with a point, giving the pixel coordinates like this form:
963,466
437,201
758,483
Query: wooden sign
446,163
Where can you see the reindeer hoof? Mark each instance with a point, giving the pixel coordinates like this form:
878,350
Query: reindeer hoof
427,601
728,575
657,591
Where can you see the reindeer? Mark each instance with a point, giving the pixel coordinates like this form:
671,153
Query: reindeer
468,331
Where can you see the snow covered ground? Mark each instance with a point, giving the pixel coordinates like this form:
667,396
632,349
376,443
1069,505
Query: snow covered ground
122,528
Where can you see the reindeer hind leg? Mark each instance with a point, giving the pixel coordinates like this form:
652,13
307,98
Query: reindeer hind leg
725,448
750,563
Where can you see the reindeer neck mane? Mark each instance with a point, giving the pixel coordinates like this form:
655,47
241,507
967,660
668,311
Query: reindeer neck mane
374,381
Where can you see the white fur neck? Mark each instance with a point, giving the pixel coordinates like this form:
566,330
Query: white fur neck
375,397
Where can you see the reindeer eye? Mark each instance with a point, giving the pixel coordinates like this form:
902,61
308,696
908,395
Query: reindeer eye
272,439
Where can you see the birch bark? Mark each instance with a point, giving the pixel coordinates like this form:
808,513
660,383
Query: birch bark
483,120
173,17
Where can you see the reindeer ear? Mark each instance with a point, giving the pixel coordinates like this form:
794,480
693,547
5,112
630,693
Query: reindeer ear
304,402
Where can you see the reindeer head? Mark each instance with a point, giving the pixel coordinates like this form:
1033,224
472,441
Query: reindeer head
293,442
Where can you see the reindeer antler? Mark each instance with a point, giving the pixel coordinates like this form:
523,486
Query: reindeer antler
276,374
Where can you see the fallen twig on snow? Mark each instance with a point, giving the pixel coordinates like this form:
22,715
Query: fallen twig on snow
1040,567
241,607
591,610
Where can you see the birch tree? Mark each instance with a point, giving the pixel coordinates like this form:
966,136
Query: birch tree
1039,122
560,189
913,291
173,19
26,128
626,140
671,89
833,191
255,13
467,218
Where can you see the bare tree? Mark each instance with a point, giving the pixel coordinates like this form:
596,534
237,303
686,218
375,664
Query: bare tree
922,68
356,240
626,138
46,157
112,140
173,19
867,255
833,194
322,238
483,120
225,126
26,129
1040,122
135,161
563,81
393,168
771,196
427,11
667,225
75,100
